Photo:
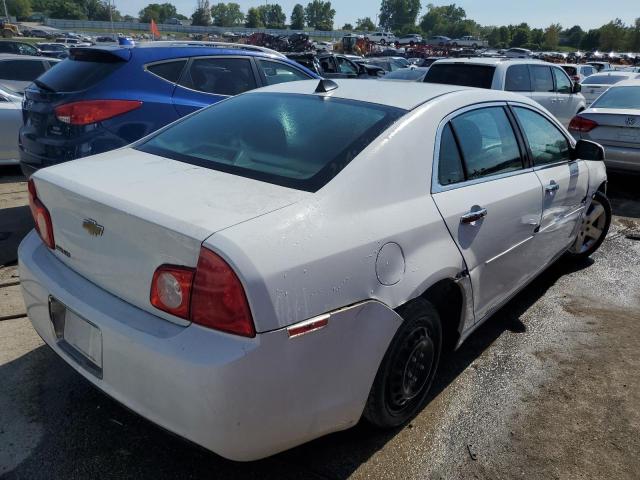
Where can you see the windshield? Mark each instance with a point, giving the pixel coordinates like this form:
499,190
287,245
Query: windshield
405,74
619,97
603,79
464,74
297,141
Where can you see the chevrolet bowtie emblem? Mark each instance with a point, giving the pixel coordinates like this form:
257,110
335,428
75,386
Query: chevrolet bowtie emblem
92,227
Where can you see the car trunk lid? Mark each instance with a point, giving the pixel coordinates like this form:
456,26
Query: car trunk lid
619,127
118,216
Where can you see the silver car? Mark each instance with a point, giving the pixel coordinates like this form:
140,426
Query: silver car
613,120
595,85
10,123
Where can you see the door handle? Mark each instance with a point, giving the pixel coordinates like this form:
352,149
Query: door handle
473,216
552,187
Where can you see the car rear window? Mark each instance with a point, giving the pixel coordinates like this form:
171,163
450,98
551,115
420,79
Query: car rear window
464,74
80,72
297,141
619,97
603,79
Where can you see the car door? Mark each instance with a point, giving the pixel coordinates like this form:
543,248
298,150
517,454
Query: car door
490,200
564,181
542,87
207,80
567,103
329,67
10,122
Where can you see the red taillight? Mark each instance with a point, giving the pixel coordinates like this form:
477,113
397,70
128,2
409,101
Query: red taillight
92,111
211,295
41,216
581,124
575,78
171,289
218,300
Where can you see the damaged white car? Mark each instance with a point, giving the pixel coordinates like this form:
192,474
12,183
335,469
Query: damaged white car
287,261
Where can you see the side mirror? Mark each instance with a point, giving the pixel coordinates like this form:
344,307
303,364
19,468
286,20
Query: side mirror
588,150
577,88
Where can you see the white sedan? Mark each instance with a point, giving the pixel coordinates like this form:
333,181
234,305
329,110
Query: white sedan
10,123
287,261
595,85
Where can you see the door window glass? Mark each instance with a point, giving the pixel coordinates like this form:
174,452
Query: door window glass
328,65
345,66
563,84
21,70
222,76
518,79
6,47
25,49
487,141
541,78
449,161
276,72
545,141
170,71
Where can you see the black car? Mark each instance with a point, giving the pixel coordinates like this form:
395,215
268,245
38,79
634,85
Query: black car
54,50
18,48
329,65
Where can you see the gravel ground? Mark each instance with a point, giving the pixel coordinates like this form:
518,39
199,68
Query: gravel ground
548,388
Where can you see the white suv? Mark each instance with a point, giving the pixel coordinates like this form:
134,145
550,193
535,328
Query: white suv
383,38
546,83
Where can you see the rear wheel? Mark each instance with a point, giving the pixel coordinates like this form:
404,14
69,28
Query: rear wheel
402,384
593,227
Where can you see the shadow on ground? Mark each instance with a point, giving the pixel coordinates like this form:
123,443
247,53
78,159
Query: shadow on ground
624,193
87,435
15,223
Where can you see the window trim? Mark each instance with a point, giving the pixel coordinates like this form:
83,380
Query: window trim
435,181
169,60
254,70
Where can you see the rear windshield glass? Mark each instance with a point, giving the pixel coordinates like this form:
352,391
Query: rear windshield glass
619,97
297,141
405,74
603,79
464,74
80,73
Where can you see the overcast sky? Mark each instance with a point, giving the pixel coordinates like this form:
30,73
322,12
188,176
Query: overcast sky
538,13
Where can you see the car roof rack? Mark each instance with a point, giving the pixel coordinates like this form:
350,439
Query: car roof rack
229,45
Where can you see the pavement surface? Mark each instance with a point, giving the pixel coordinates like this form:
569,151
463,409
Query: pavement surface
548,388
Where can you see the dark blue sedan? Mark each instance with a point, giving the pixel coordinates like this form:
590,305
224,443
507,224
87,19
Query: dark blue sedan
103,98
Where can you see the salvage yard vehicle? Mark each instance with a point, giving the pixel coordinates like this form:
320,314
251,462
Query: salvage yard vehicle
409,40
18,71
303,263
578,72
104,98
595,85
469,41
613,120
329,65
10,121
18,48
383,38
546,83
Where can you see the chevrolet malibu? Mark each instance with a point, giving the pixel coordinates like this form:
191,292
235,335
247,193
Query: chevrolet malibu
288,261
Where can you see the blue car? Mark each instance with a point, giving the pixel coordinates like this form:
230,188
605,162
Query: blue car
104,98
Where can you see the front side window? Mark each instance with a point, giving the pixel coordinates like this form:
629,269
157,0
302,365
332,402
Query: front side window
541,78
563,84
545,141
328,65
298,141
221,76
24,49
276,72
345,66
487,142
518,79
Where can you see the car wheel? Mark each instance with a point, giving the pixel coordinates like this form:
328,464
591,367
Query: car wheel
412,43
382,42
475,46
402,384
593,227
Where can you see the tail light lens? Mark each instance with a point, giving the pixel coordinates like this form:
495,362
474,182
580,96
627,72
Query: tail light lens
93,111
581,124
171,289
211,295
41,216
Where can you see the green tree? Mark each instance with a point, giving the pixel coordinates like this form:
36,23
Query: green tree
449,20
18,8
591,40
493,37
365,24
319,15
520,37
254,20
552,36
537,36
634,37
226,15
65,9
347,26
574,36
398,14
157,12
272,16
613,35
297,17
101,10
202,15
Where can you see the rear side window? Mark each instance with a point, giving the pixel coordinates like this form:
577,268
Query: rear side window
449,161
21,70
487,142
518,79
221,76
170,71
276,72
464,74
298,141
6,47
563,84
545,141
541,78
81,72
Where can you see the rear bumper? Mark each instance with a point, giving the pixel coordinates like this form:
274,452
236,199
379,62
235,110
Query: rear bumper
242,398
622,158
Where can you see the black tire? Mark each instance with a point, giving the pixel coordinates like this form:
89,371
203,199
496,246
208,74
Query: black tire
383,42
588,249
402,384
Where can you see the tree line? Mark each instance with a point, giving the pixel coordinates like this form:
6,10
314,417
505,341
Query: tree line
399,16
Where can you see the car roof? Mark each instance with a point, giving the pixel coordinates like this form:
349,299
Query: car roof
493,61
233,48
405,95
628,83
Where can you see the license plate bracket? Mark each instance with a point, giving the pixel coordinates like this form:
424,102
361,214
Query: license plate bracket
77,337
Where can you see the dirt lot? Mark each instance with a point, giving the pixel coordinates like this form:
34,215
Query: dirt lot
549,388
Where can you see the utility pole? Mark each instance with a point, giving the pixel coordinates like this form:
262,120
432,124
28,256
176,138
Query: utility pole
6,12
112,5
